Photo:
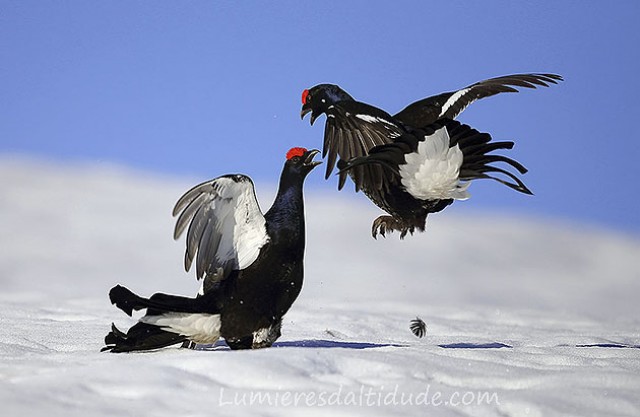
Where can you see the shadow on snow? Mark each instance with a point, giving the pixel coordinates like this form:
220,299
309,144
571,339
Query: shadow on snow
493,345
333,344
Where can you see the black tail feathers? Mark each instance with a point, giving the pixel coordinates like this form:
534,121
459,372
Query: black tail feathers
141,336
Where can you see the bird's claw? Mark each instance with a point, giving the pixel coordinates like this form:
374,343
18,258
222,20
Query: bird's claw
384,224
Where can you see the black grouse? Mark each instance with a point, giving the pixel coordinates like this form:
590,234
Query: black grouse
426,170
252,265
353,129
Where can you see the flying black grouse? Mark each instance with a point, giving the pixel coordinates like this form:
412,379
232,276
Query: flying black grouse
252,265
426,170
353,129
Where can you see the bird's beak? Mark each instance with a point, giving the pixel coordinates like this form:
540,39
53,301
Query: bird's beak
304,112
308,160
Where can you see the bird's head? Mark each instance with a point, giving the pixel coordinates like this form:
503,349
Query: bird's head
300,160
318,99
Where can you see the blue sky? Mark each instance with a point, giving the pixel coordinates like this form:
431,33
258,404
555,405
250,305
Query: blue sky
203,88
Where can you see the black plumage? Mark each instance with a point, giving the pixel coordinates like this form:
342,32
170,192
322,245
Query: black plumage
353,129
410,194
252,265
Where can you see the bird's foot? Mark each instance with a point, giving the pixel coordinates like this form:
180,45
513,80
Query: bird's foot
384,224
265,337
188,344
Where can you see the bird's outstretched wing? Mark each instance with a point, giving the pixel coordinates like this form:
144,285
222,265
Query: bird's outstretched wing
450,105
226,228
351,130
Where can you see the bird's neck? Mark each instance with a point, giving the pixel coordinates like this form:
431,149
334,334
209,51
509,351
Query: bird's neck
286,215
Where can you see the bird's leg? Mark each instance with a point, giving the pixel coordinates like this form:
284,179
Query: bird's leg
263,339
378,226
239,343
384,224
406,229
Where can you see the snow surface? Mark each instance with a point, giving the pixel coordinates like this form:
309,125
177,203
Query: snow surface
524,317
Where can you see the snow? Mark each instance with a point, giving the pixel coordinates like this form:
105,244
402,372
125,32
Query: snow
525,317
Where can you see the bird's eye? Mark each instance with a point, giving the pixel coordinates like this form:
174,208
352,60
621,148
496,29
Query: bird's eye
295,159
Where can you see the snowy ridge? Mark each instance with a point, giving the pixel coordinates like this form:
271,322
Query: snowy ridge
523,317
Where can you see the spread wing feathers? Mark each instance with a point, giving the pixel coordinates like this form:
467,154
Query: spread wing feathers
226,227
450,105
428,169
351,130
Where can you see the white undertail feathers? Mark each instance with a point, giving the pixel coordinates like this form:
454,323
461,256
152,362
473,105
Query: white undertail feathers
432,172
199,327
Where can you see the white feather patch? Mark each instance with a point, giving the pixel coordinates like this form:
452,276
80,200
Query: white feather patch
226,211
249,231
240,223
432,173
372,119
261,335
200,328
266,335
452,100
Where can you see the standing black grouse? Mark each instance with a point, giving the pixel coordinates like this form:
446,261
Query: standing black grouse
353,129
252,265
